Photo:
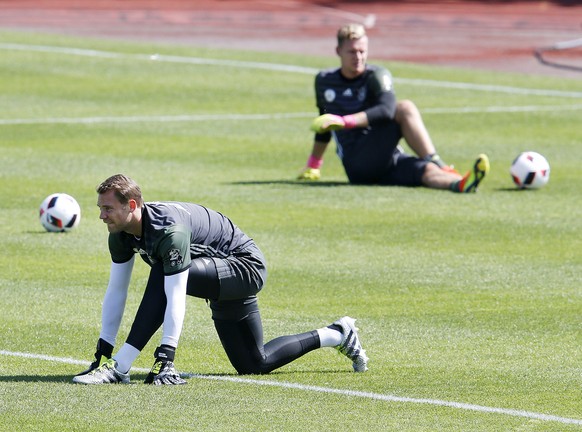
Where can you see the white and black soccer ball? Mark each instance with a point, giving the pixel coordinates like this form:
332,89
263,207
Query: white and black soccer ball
59,212
530,170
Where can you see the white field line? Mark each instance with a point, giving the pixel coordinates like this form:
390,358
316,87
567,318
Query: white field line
490,88
279,67
503,109
156,119
330,390
272,116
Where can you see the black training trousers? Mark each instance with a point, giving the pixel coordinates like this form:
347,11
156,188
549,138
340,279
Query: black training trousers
230,286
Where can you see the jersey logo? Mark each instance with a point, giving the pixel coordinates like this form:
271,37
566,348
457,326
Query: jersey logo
329,95
175,258
347,92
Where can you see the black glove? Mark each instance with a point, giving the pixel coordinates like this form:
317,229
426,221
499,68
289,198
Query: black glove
103,352
163,371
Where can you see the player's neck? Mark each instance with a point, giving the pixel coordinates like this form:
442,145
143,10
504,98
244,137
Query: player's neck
349,74
134,227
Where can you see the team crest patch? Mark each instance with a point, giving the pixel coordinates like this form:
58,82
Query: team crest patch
362,94
387,82
175,258
329,95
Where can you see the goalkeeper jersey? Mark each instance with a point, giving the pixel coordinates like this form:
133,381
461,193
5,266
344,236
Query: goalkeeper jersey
372,92
176,232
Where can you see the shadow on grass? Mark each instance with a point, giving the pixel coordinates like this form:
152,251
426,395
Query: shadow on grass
36,378
294,183
514,189
140,377
271,374
65,379
343,183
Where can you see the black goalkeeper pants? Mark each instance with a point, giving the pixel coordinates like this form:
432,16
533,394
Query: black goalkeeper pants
243,343
230,286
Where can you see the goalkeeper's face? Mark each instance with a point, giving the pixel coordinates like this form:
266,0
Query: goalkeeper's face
117,215
353,54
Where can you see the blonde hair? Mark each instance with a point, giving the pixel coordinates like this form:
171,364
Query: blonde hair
350,32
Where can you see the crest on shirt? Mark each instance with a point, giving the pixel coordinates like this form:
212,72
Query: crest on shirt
329,95
387,82
362,94
175,258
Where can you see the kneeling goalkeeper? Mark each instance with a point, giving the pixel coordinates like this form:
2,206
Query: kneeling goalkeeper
192,250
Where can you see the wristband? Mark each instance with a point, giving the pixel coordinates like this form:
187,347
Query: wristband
165,352
350,121
314,162
104,348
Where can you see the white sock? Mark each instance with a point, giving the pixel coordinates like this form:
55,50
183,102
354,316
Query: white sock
125,357
329,337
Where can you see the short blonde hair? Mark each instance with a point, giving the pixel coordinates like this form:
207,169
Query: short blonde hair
350,32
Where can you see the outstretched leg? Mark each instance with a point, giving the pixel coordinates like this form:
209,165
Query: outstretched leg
243,343
242,340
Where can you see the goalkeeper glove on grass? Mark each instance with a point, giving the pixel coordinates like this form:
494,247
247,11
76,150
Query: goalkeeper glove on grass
310,174
312,170
163,371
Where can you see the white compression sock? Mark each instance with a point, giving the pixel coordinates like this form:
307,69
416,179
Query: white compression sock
329,337
125,357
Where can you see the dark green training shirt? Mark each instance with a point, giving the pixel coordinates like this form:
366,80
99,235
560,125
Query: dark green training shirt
176,232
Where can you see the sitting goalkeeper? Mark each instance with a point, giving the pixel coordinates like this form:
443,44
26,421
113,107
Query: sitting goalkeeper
358,106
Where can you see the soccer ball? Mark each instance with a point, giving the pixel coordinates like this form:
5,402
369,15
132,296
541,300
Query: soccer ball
530,170
59,212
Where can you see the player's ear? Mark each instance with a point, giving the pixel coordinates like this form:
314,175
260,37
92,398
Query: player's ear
132,204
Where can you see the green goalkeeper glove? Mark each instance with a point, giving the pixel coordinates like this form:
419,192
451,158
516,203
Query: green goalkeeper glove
310,174
331,122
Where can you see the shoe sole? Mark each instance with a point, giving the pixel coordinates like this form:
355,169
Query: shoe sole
480,170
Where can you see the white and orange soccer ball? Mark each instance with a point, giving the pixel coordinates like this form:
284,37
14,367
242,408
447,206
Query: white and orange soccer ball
530,170
59,212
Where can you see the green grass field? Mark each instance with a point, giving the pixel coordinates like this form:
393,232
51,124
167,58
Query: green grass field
469,307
